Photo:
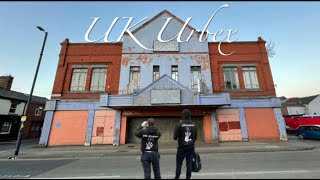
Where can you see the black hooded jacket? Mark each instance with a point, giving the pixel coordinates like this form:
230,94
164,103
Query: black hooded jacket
186,133
149,138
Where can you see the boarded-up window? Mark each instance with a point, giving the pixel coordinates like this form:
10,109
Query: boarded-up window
223,126
234,125
229,125
261,124
135,77
100,131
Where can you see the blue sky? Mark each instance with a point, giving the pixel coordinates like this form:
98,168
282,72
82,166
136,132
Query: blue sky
293,26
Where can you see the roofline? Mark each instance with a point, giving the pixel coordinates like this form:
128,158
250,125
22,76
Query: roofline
238,42
159,14
22,100
96,43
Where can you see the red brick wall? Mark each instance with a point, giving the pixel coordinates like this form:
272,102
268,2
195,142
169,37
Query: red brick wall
31,117
87,54
244,53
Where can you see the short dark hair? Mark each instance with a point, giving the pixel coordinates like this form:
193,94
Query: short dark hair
186,114
151,121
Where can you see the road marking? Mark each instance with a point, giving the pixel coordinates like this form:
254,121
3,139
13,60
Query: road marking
255,172
85,177
14,176
193,174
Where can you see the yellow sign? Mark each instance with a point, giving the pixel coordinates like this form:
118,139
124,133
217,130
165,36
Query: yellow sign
23,118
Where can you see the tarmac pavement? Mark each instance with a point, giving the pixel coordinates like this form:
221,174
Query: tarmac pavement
30,150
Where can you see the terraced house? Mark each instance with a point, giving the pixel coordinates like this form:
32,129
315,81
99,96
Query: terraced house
103,91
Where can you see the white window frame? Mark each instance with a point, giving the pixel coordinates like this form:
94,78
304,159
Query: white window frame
250,74
174,72
98,79
156,74
38,111
231,71
15,108
7,124
79,78
194,83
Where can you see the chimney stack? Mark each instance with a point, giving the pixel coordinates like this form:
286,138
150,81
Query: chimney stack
6,82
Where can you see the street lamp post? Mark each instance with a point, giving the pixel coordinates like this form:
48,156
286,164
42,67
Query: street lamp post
24,116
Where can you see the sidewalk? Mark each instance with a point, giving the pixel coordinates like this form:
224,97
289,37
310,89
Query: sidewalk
96,151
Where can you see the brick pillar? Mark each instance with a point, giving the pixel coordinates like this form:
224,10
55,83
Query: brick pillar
61,70
88,81
123,130
240,76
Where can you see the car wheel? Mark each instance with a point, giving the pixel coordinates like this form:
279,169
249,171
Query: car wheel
300,136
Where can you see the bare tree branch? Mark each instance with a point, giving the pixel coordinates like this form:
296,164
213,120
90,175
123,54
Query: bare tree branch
270,49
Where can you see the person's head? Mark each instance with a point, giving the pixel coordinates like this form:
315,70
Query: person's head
186,114
151,121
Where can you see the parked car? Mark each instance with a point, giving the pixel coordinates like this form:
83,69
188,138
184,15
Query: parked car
308,132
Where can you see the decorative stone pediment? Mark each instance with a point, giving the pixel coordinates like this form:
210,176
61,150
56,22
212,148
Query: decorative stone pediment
165,91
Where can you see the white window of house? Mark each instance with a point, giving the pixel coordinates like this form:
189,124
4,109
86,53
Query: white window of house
5,128
156,73
13,107
135,76
250,77
98,80
195,75
38,111
174,72
79,77
231,79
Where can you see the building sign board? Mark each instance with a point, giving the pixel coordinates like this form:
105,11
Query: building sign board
165,46
165,97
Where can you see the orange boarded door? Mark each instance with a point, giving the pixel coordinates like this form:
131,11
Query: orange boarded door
229,125
102,132
261,124
68,128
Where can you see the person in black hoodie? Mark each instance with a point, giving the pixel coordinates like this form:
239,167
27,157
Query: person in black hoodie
186,134
149,147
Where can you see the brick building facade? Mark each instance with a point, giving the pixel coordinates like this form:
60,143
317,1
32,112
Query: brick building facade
102,91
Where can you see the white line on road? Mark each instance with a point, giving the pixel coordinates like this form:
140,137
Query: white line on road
255,172
193,174
85,177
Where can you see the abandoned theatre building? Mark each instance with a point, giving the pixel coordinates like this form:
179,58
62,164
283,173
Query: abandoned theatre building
103,91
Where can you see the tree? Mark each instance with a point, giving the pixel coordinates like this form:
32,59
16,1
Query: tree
270,49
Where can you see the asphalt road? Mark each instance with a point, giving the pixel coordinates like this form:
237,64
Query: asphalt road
293,164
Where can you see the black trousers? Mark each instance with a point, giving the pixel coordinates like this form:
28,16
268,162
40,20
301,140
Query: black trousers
182,153
148,158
